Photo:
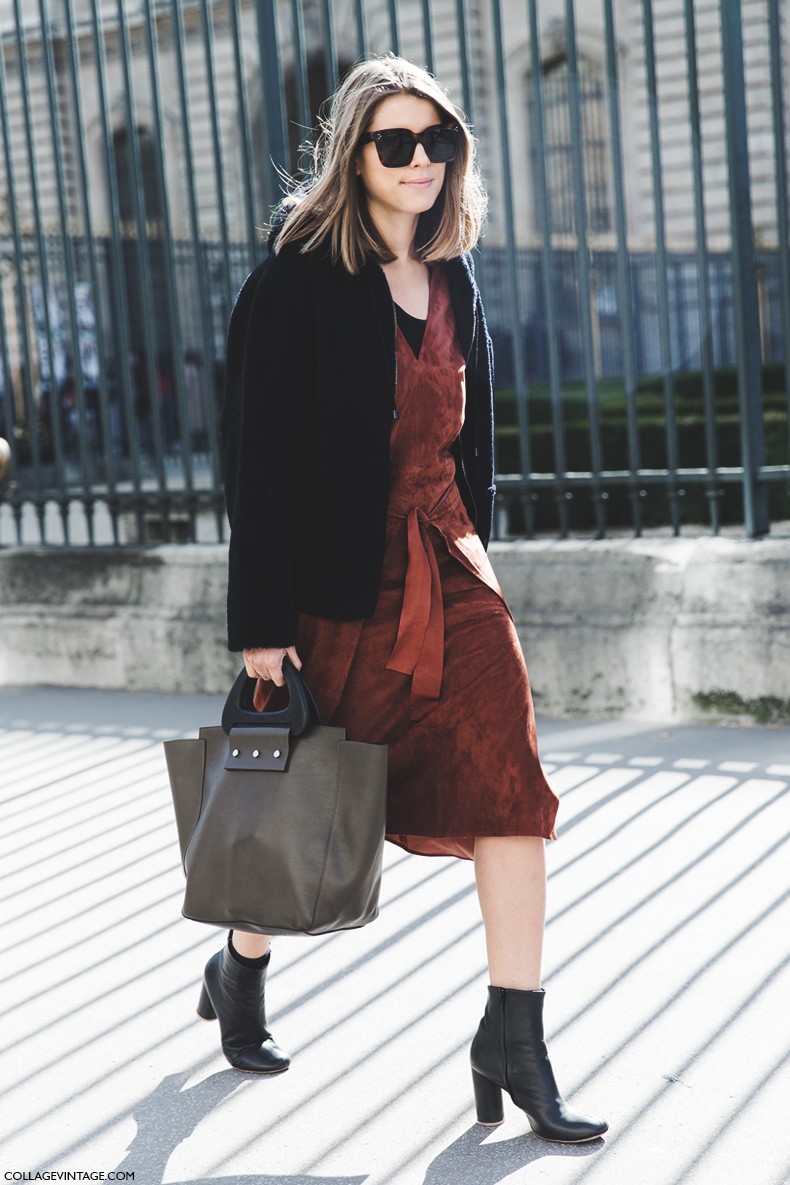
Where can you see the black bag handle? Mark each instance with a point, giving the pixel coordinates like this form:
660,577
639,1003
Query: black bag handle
301,710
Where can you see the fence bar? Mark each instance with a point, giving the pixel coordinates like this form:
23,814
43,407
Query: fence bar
216,148
253,237
624,293
272,91
522,395
8,429
583,258
427,35
733,475
745,306
175,343
13,492
392,8
8,414
330,45
26,369
117,268
143,258
703,278
88,500
465,58
43,263
662,271
204,299
550,317
301,73
72,45
363,45
780,168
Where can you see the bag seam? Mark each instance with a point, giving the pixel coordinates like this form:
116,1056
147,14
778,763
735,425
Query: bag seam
329,837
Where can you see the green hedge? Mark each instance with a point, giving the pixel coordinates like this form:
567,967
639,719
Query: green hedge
689,405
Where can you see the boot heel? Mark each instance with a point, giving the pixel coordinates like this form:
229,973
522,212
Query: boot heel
488,1101
205,1008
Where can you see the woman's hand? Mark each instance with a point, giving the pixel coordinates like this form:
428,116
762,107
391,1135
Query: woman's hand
267,663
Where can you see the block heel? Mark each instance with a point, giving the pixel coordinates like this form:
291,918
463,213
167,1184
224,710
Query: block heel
205,1008
488,1101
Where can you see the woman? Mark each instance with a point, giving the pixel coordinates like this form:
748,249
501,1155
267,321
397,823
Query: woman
359,477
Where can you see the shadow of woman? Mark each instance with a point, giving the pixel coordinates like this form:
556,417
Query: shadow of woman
470,1159
170,1114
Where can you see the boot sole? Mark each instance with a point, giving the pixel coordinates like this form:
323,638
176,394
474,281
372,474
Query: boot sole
259,1073
554,1140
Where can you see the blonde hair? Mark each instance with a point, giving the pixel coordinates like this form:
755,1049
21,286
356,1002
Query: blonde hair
333,205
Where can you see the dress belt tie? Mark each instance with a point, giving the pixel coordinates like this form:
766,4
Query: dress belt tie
419,647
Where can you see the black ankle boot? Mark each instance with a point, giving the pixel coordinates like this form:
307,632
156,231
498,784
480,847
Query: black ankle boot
509,1053
235,994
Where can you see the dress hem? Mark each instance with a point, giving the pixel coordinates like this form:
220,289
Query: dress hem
460,846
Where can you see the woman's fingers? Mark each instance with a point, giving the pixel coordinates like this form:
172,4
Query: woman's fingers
266,663
276,669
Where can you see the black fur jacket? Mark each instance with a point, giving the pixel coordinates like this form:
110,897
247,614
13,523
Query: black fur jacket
306,419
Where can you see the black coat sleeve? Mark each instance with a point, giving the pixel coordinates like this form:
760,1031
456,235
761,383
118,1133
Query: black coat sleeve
267,391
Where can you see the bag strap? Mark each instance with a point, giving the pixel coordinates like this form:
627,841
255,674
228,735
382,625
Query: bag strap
300,712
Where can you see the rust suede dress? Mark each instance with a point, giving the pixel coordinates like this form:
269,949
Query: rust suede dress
437,672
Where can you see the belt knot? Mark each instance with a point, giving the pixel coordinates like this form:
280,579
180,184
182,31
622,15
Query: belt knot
419,647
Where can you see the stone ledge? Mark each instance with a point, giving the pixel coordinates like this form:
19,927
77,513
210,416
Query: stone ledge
660,629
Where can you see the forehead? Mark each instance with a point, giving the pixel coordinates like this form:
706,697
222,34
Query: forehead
405,111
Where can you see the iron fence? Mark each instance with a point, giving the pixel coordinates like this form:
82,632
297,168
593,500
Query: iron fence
635,267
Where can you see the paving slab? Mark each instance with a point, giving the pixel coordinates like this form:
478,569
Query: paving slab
667,974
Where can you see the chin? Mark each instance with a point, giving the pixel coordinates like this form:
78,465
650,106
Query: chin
418,201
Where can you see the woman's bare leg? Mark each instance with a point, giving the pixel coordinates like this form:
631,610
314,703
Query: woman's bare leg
250,946
510,871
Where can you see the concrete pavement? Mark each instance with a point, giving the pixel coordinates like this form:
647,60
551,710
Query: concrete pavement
667,974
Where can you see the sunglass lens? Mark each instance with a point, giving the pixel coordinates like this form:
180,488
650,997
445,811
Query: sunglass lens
395,150
441,147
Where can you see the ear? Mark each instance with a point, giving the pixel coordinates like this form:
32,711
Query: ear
357,169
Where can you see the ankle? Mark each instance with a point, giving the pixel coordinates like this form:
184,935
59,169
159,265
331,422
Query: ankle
506,983
256,961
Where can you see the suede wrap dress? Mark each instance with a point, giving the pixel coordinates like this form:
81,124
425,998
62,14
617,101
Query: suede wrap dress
437,672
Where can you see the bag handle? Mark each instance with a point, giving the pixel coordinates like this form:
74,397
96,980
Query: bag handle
301,710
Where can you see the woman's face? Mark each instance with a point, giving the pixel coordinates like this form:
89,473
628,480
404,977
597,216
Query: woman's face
414,188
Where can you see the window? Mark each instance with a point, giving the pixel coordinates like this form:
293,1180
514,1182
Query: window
559,163
124,173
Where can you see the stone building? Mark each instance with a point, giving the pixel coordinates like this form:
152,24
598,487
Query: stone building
215,193
672,79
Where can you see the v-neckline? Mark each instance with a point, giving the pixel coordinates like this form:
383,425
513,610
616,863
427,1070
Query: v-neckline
431,271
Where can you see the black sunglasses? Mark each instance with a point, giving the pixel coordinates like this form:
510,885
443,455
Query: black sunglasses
396,146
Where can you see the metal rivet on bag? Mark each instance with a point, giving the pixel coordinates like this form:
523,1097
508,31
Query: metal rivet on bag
235,752
276,753
256,753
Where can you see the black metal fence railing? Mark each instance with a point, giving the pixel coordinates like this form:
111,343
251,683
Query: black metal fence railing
635,268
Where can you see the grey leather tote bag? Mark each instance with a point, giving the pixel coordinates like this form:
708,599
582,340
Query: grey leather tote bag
280,818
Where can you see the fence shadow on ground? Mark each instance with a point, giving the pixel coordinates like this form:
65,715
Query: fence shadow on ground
63,828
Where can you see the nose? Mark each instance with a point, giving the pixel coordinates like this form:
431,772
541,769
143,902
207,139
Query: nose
420,156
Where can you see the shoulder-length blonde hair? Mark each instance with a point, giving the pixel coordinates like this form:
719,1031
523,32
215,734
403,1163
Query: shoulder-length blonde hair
333,206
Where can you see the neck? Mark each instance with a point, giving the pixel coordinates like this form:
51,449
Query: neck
397,231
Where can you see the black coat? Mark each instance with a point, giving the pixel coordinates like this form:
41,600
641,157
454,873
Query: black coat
308,409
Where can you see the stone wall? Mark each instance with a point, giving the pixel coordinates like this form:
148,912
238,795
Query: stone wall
659,629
